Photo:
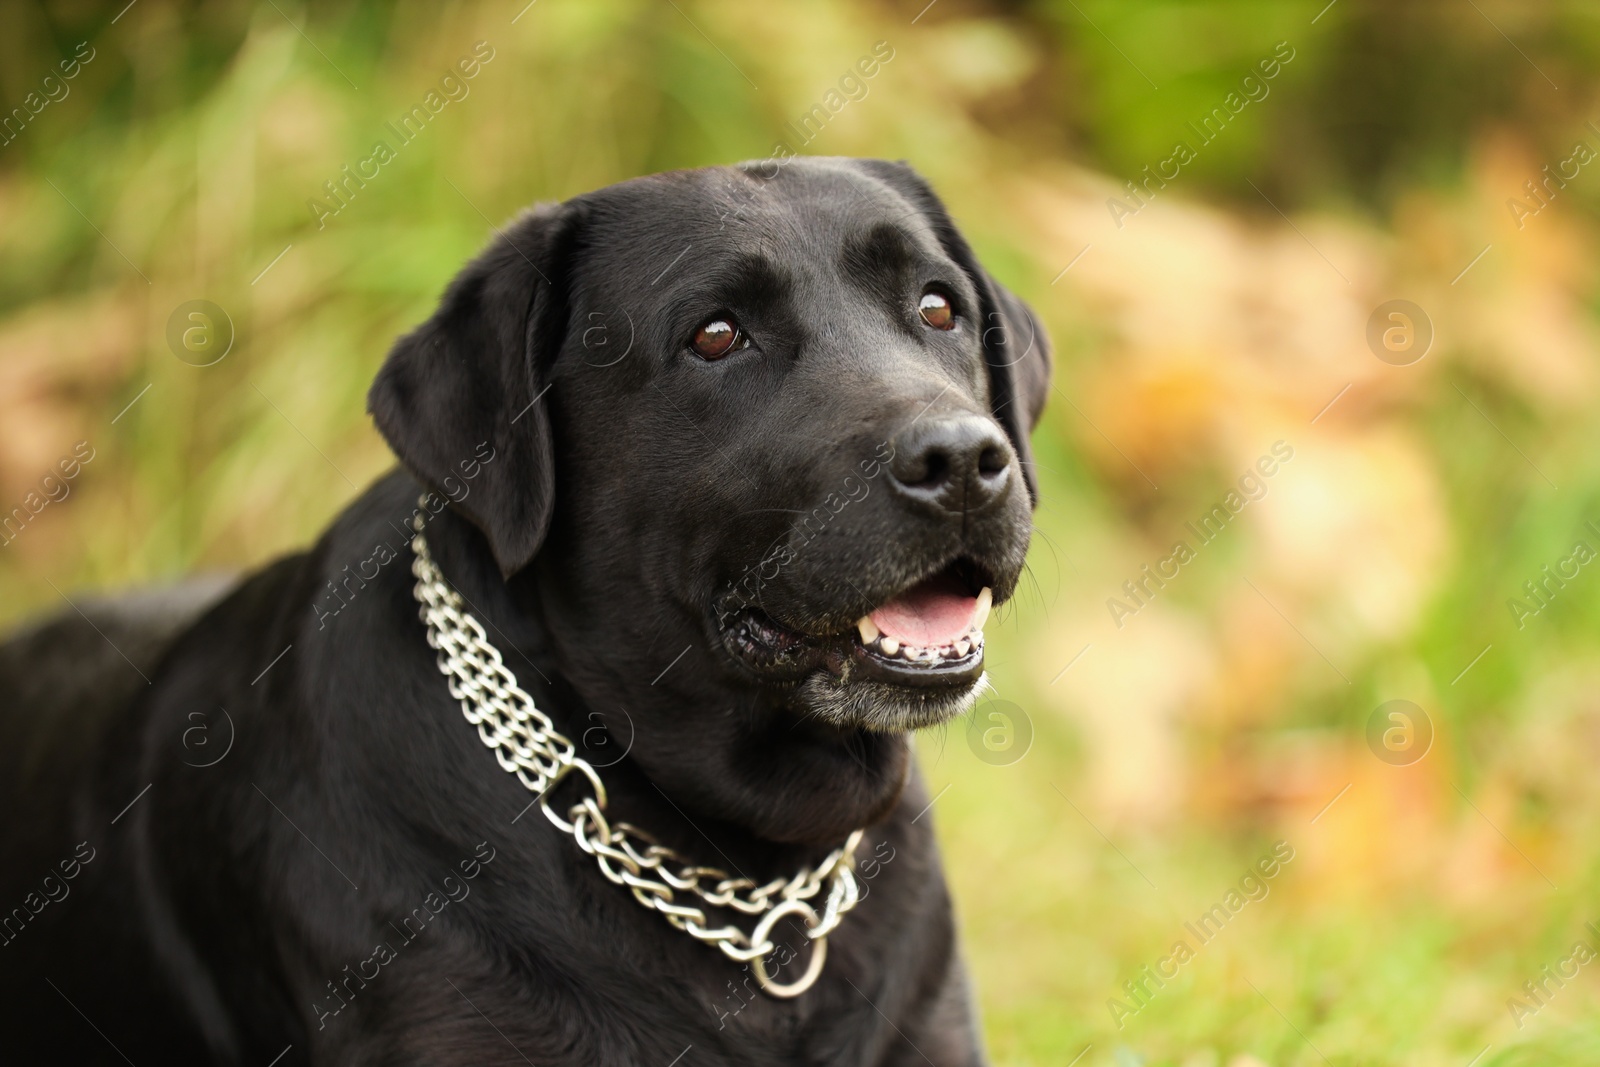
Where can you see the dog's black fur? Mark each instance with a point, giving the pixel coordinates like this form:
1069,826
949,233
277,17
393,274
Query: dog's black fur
609,490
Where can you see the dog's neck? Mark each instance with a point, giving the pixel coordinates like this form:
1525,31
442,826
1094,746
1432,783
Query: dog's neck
733,764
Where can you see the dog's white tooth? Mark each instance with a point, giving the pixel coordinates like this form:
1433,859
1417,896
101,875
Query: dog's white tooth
868,628
890,646
963,646
981,616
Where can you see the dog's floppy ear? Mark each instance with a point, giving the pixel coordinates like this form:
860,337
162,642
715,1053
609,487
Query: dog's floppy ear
1015,346
472,378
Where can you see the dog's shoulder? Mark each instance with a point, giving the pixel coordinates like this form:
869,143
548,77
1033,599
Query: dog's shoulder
66,676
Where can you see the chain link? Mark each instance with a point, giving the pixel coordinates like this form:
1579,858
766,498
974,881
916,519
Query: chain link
527,744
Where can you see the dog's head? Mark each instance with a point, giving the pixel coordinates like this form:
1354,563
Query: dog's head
762,467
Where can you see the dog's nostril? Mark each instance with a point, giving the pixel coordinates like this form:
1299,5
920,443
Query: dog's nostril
935,469
993,460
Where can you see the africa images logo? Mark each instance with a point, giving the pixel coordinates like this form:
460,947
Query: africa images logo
1150,979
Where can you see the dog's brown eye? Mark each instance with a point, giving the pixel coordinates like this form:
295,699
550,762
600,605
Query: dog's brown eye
936,310
716,339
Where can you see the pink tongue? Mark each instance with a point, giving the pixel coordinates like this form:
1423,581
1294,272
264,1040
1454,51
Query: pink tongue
927,616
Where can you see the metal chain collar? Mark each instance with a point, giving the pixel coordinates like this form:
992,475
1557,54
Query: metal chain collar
528,745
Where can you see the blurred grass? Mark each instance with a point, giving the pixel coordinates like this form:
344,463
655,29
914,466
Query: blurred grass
1224,716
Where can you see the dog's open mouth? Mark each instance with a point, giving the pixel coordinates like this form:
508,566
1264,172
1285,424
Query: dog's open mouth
928,635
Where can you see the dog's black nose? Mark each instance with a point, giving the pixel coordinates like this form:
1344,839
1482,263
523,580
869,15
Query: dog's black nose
961,464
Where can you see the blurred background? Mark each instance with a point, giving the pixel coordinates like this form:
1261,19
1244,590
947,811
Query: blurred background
1297,167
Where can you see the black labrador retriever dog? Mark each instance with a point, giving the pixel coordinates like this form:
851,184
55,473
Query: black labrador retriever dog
717,474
